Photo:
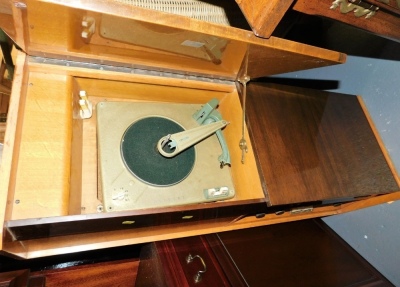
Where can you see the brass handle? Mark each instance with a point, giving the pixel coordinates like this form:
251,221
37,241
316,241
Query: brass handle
197,277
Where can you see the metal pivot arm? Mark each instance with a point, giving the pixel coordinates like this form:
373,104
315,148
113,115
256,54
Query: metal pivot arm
181,141
225,157
208,114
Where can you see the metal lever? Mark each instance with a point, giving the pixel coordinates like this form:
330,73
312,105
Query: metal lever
208,114
197,277
242,143
181,141
224,158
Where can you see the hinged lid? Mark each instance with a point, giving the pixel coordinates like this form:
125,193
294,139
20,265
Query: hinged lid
315,146
119,34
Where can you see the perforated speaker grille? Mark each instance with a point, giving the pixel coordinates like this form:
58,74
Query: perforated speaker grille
190,8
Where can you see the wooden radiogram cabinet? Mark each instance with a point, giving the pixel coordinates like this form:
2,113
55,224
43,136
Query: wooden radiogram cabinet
307,154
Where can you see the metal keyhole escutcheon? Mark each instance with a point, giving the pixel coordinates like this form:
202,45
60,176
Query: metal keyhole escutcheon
197,277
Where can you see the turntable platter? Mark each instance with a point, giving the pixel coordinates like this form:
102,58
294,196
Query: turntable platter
141,157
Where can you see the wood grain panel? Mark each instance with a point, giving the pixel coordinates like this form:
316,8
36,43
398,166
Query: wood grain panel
314,146
14,278
390,5
264,16
164,264
383,23
288,56
112,273
43,174
305,253
62,41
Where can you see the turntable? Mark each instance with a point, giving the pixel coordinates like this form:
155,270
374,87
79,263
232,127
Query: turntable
157,155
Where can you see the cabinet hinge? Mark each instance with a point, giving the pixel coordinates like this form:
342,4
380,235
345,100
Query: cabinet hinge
129,70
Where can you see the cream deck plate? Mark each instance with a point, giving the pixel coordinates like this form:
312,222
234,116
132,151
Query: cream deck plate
122,190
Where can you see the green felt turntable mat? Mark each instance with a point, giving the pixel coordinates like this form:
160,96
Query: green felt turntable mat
140,155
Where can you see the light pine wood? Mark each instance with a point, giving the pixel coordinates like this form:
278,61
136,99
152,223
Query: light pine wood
43,173
18,27
194,85
63,40
59,87
6,18
11,142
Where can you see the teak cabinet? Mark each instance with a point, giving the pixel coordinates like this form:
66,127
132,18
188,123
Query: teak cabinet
309,154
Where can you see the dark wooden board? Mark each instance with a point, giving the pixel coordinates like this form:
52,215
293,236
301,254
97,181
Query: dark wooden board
164,263
385,22
77,224
301,253
314,146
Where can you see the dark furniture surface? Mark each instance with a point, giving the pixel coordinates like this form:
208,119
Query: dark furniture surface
302,253
380,17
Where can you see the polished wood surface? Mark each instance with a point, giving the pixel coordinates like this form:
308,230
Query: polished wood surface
391,5
314,146
384,23
306,253
118,273
264,16
18,278
164,264
106,267
285,254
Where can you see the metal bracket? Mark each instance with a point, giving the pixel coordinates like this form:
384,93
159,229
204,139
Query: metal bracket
208,114
242,143
359,7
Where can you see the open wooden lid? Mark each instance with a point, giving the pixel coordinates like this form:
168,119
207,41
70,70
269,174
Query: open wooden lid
315,146
113,33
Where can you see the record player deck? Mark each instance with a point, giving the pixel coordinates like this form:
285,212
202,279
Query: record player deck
161,154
